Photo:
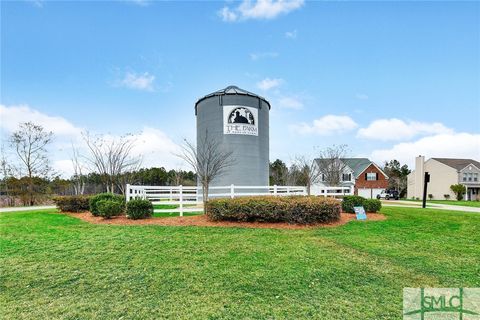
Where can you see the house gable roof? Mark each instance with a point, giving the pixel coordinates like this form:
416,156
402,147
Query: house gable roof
358,165
458,164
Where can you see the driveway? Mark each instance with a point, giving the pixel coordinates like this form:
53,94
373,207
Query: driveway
11,209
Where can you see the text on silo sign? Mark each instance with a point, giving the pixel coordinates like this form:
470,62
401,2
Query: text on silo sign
240,120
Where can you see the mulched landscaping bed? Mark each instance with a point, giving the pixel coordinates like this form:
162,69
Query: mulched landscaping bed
202,221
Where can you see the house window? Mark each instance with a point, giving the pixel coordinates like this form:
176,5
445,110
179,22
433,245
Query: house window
464,176
346,177
470,176
371,176
475,177
323,177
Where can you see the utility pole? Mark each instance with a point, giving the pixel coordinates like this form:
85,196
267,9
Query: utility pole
426,180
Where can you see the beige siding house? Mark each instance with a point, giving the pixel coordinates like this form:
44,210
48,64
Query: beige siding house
443,173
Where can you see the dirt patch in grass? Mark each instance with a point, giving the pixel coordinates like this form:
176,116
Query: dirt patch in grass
203,221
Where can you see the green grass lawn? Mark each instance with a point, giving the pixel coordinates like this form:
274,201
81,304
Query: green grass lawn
57,267
174,214
170,206
475,204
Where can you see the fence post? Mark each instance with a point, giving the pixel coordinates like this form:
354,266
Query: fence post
275,190
288,190
171,196
181,200
127,193
232,191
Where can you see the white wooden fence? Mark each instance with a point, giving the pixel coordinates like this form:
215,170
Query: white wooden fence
188,199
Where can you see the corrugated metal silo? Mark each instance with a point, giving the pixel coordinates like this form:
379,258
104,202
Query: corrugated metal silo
239,120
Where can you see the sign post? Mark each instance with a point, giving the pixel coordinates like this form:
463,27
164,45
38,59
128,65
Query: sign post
426,180
360,213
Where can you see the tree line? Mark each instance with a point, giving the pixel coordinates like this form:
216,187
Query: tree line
27,176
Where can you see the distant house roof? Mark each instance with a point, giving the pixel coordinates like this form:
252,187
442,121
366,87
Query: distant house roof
358,165
458,164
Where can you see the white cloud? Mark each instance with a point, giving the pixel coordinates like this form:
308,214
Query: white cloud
12,116
156,148
136,81
291,34
361,96
267,83
37,3
396,129
65,167
326,125
447,145
259,9
263,55
141,3
290,103
227,14
153,146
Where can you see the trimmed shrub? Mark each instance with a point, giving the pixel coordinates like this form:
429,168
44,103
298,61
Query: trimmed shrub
293,209
139,209
349,202
72,203
109,208
372,205
459,190
104,196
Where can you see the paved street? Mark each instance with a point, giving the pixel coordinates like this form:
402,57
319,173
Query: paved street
413,204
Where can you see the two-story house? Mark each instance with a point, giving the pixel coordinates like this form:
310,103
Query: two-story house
444,172
364,176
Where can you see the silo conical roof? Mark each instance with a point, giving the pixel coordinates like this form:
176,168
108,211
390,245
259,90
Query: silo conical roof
231,90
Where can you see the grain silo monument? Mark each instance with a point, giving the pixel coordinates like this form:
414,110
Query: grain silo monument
239,121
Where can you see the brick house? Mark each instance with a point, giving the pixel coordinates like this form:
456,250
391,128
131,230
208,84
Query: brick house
367,179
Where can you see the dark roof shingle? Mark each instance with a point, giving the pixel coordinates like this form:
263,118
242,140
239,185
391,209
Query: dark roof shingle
458,164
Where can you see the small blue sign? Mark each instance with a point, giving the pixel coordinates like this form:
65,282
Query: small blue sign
360,213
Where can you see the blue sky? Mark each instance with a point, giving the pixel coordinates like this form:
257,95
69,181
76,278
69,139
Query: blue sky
390,79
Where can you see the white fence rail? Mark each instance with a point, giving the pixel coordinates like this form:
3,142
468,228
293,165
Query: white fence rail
189,198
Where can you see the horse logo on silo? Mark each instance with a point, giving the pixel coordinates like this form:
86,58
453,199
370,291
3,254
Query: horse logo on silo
240,120
241,115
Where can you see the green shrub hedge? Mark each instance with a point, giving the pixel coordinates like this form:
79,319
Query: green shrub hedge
139,209
372,205
349,202
104,196
109,208
293,209
72,203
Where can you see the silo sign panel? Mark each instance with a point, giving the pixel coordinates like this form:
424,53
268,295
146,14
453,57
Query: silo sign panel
240,120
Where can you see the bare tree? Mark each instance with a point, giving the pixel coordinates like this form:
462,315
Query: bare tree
78,168
292,175
209,160
6,172
111,158
177,178
330,164
30,142
308,171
